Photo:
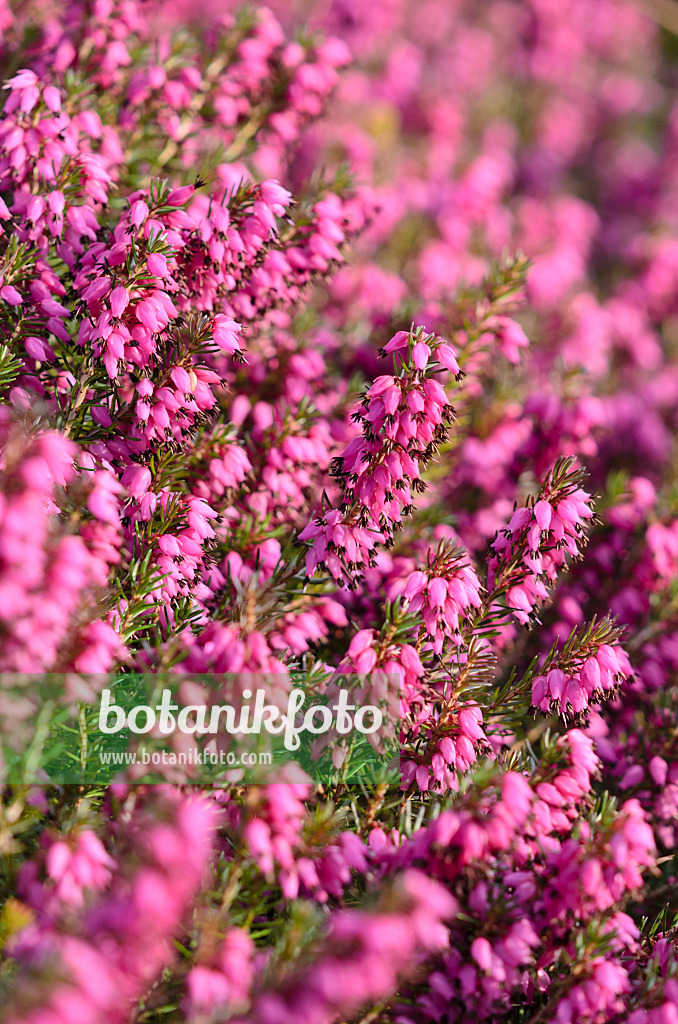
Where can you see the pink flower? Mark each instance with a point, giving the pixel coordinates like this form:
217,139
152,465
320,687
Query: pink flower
119,300
137,479
138,212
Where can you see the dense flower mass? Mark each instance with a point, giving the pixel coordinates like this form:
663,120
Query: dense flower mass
338,354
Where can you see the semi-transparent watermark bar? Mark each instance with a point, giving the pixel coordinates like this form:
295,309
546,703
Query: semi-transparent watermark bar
90,729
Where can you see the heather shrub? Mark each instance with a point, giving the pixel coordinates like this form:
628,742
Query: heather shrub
338,355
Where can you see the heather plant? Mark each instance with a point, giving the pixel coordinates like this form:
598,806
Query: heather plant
338,355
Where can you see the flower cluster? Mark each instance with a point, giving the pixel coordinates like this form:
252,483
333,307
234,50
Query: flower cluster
528,553
404,420
109,962
594,673
49,576
443,594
